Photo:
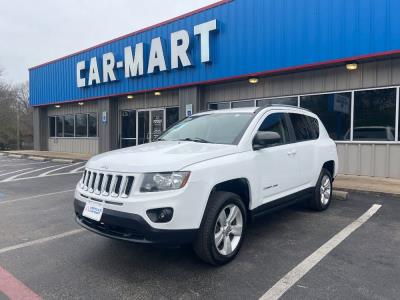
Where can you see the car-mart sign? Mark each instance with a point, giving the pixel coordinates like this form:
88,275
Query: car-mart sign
133,61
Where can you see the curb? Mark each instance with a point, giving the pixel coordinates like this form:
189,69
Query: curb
340,195
15,155
37,158
61,160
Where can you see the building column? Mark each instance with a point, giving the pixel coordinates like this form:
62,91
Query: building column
190,96
40,129
108,124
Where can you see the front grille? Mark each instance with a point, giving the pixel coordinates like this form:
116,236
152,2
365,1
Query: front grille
114,185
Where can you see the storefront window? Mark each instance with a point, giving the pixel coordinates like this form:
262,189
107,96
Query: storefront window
52,126
247,103
220,105
81,125
68,126
334,111
172,115
92,125
374,115
59,126
284,101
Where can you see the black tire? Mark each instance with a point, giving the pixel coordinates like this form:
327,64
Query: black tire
316,202
204,245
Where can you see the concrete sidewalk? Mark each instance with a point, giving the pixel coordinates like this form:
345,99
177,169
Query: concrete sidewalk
367,184
48,155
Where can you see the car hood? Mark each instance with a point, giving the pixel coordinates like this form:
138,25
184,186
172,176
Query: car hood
162,156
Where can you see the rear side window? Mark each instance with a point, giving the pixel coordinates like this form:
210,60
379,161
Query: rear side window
305,128
277,123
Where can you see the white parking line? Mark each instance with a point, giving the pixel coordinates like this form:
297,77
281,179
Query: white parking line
80,169
306,265
41,241
33,197
13,172
29,172
63,167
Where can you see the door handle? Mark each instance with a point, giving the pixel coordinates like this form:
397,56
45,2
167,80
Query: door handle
293,152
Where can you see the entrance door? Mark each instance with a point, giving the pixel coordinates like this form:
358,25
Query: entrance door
143,127
157,124
128,128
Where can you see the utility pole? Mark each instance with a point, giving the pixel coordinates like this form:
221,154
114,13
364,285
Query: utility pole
18,129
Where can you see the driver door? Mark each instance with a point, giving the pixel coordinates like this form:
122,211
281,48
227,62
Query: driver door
277,164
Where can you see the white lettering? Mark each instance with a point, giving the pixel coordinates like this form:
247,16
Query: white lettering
93,72
80,66
133,67
108,67
179,51
156,58
204,30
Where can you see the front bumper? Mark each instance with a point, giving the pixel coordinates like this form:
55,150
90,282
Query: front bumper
131,227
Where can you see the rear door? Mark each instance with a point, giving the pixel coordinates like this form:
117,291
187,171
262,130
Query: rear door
306,131
276,166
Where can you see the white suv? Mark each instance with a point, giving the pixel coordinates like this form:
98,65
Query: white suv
205,178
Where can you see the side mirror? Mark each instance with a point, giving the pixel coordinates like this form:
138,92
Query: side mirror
264,139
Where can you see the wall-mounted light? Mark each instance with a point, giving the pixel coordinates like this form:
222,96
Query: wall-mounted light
351,66
129,97
81,103
253,80
57,106
157,93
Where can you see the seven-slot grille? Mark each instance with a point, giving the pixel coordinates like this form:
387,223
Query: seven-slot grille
106,184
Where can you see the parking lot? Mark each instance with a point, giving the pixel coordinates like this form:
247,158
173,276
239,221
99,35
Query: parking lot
43,253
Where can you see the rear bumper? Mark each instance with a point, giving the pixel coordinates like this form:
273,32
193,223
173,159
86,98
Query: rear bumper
131,227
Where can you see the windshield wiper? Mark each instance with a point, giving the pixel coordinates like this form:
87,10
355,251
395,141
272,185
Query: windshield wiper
196,140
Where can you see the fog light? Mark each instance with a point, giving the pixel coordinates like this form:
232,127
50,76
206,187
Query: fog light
160,215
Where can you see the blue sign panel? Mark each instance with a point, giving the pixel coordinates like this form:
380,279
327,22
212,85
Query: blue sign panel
230,39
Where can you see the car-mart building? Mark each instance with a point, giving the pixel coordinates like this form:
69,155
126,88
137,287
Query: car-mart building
340,59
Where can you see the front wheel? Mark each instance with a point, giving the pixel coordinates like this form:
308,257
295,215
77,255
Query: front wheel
222,230
323,192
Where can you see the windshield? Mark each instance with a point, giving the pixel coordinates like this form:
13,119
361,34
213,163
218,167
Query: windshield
220,128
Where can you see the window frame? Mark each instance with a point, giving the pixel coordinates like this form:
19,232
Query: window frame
61,117
352,91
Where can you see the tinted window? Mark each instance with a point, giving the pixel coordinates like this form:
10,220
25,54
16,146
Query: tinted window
216,106
92,125
81,125
314,127
285,101
52,126
68,126
334,111
247,103
59,126
276,123
301,127
172,115
374,115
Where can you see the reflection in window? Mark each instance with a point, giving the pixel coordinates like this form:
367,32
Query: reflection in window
92,125
247,103
59,126
276,123
283,101
52,126
68,126
333,110
302,127
172,115
220,105
374,115
81,125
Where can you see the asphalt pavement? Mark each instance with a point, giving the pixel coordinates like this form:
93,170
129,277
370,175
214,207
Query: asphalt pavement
50,256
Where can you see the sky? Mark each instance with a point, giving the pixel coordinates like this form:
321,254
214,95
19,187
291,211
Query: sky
34,32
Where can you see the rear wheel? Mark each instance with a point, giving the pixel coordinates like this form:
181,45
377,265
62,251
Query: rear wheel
323,192
222,230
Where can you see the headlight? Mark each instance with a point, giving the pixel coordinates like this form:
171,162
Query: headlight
157,182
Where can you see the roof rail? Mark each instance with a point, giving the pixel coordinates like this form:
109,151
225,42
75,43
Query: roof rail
286,105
